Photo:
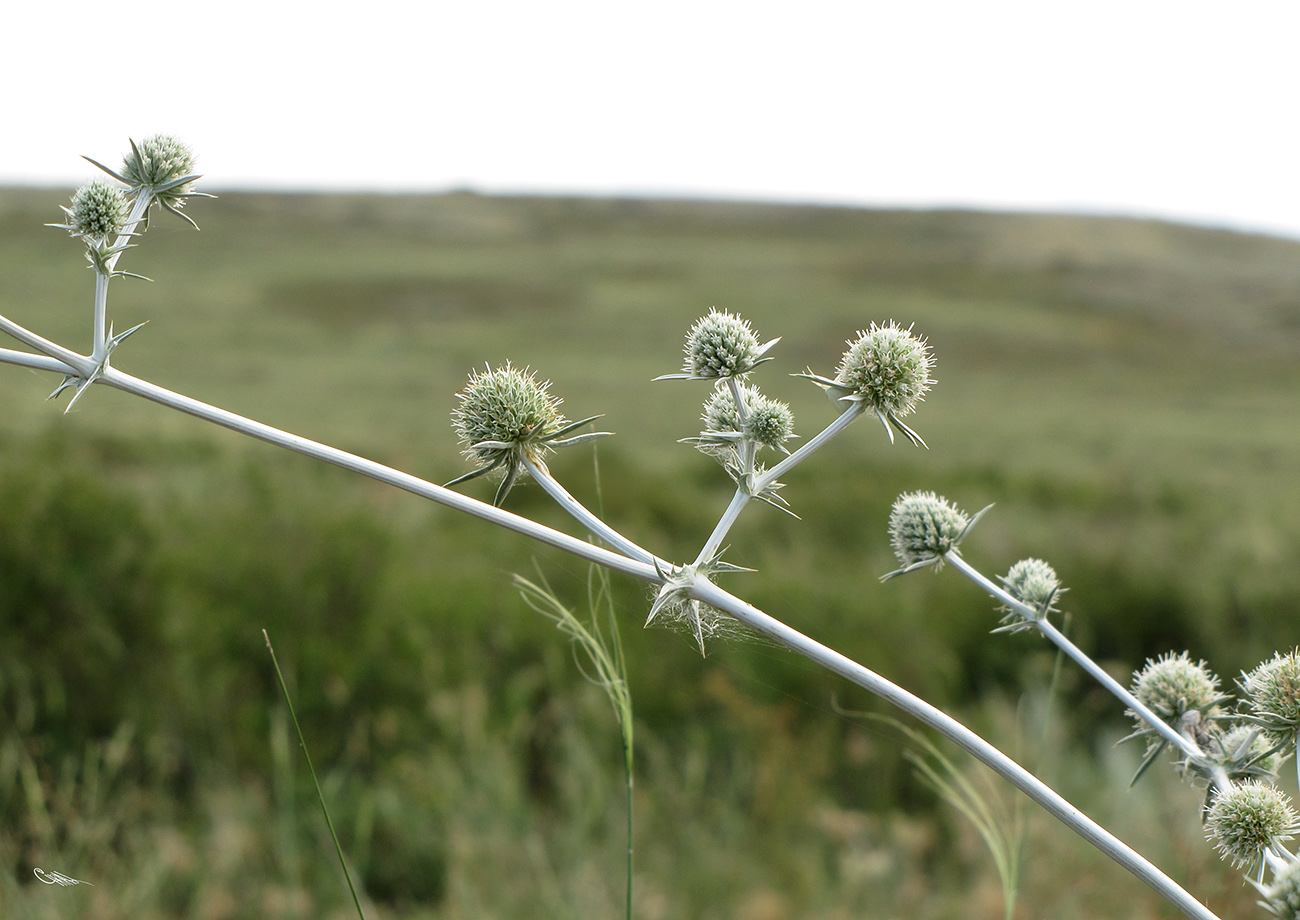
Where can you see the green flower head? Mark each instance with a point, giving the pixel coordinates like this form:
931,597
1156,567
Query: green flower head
98,211
1273,694
158,163
888,368
767,422
924,527
721,345
1282,897
1173,685
507,420
1248,819
162,167
1032,582
1245,750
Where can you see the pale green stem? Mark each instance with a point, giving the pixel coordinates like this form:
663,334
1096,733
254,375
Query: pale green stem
748,449
1182,742
597,527
741,498
39,362
138,209
841,422
738,502
710,594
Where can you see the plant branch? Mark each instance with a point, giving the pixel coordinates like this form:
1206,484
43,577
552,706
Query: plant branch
1081,658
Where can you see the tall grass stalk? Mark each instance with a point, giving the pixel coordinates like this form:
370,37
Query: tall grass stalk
320,796
602,649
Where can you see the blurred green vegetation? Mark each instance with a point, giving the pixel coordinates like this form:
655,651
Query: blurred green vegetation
1124,391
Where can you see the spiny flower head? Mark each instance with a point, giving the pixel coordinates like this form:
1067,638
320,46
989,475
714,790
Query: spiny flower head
157,163
98,211
1173,685
1248,819
1282,897
507,419
1245,750
162,167
923,527
1273,693
768,422
721,345
887,367
1032,582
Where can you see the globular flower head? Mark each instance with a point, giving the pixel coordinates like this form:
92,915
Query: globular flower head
98,211
1248,819
1282,897
158,163
721,345
162,167
767,422
507,419
923,527
1245,750
1273,693
505,410
1034,583
888,368
1172,686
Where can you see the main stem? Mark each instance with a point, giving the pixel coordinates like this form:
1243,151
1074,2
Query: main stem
703,590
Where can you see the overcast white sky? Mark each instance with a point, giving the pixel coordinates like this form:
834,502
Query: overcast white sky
1184,110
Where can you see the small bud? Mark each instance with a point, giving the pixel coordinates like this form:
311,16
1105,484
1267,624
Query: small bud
721,345
888,368
1032,582
922,527
1174,685
768,422
98,211
1273,694
1249,819
1282,897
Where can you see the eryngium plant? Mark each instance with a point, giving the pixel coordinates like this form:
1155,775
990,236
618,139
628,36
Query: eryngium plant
507,421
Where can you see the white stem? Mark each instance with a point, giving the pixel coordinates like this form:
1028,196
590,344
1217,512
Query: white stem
710,548
959,734
839,424
79,363
710,594
587,519
1183,743
138,209
40,362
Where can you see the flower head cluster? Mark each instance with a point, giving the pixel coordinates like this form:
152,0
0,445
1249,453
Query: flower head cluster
1034,583
767,422
721,345
1248,819
1172,686
1273,694
507,420
923,528
98,212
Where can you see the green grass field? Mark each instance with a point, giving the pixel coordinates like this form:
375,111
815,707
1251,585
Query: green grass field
1126,392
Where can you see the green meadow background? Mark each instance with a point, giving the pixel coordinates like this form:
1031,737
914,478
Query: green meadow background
1126,392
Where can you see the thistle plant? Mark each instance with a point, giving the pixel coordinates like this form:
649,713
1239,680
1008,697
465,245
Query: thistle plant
507,421
1235,751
